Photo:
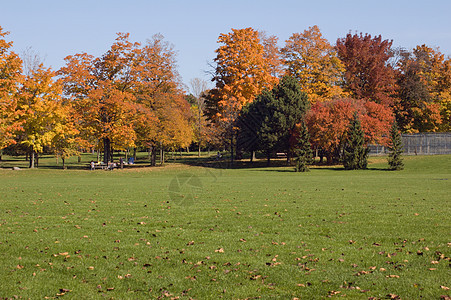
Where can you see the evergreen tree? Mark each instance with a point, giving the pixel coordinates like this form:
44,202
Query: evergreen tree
395,147
268,123
303,150
355,154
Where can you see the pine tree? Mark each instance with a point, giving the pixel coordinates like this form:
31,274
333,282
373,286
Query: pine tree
395,147
304,152
355,154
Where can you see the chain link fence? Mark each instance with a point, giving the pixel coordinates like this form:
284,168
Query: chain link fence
420,144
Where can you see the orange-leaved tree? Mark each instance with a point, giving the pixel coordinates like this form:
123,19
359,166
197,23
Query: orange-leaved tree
10,80
118,95
424,90
242,71
311,59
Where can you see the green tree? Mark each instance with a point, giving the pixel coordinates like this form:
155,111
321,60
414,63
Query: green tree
355,152
270,121
395,146
303,149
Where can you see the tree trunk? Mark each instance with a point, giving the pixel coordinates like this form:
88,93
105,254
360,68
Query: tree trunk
161,154
37,160
268,158
153,158
32,160
134,154
79,159
253,158
198,153
64,163
231,149
98,155
149,153
106,150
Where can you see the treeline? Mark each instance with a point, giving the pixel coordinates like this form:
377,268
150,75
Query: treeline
359,74
129,97
264,95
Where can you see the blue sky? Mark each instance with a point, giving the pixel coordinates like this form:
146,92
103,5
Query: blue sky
58,28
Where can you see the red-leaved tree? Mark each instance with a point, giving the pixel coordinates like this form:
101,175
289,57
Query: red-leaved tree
368,74
328,121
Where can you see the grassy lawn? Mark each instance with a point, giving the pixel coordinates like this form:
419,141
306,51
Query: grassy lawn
208,233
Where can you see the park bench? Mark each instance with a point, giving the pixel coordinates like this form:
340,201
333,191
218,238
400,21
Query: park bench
103,166
281,155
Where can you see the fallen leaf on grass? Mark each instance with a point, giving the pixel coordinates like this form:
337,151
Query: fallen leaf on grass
331,293
392,276
220,250
444,287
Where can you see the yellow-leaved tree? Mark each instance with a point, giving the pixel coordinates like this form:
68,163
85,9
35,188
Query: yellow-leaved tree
44,117
311,59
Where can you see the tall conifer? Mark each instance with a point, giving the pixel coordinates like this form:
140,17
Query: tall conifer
395,146
355,154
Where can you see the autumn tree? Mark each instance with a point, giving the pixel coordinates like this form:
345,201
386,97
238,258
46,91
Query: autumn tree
242,71
272,54
198,88
44,117
124,97
328,121
424,90
368,75
10,80
159,95
310,59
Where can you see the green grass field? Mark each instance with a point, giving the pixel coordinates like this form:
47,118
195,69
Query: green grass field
185,232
